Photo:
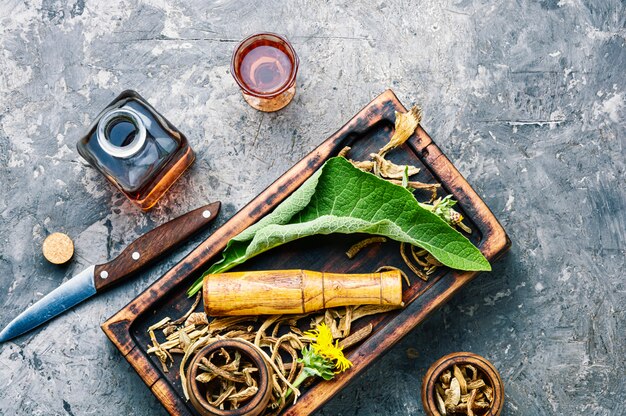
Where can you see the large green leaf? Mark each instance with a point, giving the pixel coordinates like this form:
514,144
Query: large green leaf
340,198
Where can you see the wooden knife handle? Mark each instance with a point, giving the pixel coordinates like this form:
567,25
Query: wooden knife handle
152,245
296,291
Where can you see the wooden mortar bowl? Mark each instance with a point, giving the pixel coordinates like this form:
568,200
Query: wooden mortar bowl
444,363
254,406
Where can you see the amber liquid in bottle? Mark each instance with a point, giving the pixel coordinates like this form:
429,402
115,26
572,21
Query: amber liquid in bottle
137,149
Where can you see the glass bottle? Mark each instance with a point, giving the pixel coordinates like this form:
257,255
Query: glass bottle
136,149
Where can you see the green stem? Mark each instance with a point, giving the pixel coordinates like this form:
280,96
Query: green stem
299,380
426,206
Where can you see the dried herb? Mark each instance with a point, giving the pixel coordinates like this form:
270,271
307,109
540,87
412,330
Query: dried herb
463,391
339,198
405,126
356,337
389,170
354,250
290,349
227,381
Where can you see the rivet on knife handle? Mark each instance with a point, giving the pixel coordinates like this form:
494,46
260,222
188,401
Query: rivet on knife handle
152,245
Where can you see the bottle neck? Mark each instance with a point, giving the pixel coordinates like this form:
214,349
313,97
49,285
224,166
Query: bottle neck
121,133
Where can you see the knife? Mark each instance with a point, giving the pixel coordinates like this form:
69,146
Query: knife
95,279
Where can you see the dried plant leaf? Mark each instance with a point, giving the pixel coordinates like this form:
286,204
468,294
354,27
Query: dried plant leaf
345,323
247,373
356,248
410,265
470,403
405,126
219,324
205,377
390,170
175,336
432,187
459,408
356,337
440,390
218,402
432,261
366,166
446,377
488,393
344,152
162,356
473,370
197,319
416,256
244,395
221,372
335,331
441,406
225,354
264,326
193,308
454,396
460,378
475,384
159,324
184,340
316,320
169,330
367,310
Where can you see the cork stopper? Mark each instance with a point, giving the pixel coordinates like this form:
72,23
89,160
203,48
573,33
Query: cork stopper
58,248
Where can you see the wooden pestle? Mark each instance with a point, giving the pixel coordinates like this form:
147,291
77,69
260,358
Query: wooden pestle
296,291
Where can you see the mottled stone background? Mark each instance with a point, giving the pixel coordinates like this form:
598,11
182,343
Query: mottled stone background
527,98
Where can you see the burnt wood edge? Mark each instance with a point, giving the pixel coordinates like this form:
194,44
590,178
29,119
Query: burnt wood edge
169,398
117,328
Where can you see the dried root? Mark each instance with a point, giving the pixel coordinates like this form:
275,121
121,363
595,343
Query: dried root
462,391
278,339
355,249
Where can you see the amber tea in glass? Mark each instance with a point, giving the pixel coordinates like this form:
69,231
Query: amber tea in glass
265,67
136,149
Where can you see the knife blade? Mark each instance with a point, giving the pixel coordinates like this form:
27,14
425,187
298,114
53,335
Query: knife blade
97,278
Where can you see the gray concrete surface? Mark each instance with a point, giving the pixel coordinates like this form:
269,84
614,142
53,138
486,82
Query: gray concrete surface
528,99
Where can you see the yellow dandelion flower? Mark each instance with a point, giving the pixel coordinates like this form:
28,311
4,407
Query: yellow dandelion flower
343,363
323,345
321,336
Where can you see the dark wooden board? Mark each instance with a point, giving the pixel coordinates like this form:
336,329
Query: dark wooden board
366,133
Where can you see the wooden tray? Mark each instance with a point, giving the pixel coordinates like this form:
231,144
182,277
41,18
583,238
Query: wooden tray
369,130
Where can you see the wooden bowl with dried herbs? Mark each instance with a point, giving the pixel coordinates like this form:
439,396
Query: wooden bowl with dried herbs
462,383
229,378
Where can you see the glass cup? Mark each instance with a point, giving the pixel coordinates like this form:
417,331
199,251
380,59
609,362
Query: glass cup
265,67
